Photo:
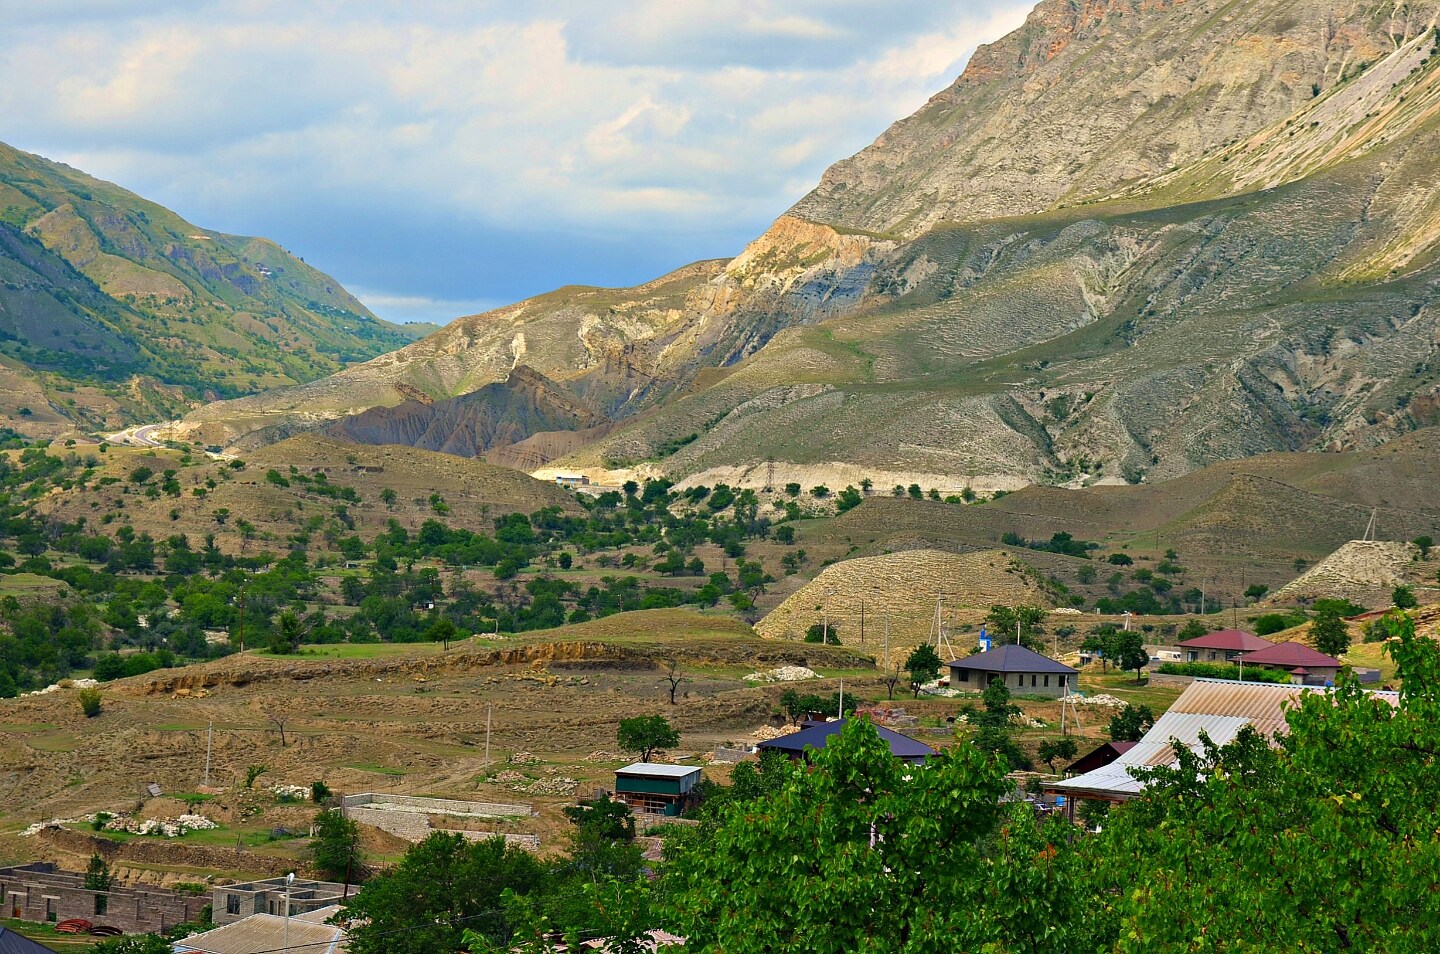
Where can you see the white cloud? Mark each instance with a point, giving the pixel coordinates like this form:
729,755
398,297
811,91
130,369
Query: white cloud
644,118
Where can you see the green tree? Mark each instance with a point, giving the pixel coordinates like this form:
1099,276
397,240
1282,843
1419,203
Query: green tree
1064,749
1131,723
863,853
1130,652
1005,621
1423,544
602,843
97,875
1193,629
388,497
823,633
1348,799
645,735
848,499
1404,598
442,631
923,665
335,849
1330,634
1254,591
443,886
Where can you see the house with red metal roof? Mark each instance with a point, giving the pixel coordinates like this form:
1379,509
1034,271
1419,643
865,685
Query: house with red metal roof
1221,646
1306,666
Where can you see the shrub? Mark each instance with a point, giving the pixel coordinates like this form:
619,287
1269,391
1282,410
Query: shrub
90,702
1223,671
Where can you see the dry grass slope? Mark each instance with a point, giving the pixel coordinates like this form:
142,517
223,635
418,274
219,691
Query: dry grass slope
901,587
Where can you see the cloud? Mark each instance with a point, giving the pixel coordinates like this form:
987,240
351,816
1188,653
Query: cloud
626,138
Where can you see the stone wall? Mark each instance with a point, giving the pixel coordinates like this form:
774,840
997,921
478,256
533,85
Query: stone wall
42,893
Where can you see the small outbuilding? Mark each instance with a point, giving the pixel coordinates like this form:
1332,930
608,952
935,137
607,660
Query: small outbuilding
1222,646
653,789
817,735
1099,757
1306,666
1021,670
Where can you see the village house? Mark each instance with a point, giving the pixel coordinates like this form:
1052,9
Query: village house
653,789
1217,708
1021,670
816,735
1306,666
1222,646
1098,757
232,902
306,932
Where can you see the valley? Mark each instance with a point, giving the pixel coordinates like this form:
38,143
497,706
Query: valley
1117,362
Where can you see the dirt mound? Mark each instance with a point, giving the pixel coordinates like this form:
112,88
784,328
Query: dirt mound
1365,571
901,587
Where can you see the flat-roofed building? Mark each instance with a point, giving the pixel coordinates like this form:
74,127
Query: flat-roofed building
651,788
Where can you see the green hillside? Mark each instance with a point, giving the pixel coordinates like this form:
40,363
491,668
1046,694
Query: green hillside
99,287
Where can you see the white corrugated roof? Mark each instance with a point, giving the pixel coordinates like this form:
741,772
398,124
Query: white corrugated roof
265,932
1217,707
658,770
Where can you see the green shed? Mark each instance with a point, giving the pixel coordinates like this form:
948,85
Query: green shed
653,789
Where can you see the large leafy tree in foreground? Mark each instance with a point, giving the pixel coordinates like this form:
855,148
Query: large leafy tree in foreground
1328,842
862,852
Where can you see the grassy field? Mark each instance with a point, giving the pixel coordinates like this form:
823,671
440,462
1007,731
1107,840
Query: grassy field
48,936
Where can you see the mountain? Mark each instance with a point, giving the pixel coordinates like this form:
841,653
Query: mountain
112,307
495,416
1134,238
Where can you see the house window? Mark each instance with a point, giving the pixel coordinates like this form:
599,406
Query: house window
964,675
232,904
1033,677
1047,681
49,909
1063,678
102,903
260,904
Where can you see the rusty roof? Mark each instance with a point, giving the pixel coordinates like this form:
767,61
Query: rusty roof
1217,707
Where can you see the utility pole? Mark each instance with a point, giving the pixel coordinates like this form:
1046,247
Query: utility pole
289,880
840,714
488,709
887,642
240,628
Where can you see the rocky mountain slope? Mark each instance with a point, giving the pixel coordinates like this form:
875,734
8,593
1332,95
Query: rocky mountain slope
1132,239
100,288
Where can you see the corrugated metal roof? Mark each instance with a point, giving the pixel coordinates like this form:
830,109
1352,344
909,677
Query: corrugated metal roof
658,770
1219,708
1010,658
265,932
818,735
1290,654
1230,639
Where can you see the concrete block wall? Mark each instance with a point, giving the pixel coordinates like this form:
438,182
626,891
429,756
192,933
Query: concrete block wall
436,806
32,892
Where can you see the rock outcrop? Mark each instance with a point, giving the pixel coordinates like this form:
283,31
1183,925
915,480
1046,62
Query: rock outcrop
1134,238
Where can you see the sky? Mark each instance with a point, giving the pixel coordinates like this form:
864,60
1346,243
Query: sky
446,157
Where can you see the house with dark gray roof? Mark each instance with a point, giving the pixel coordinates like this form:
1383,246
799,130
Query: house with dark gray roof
1021,670
816,735
12,943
